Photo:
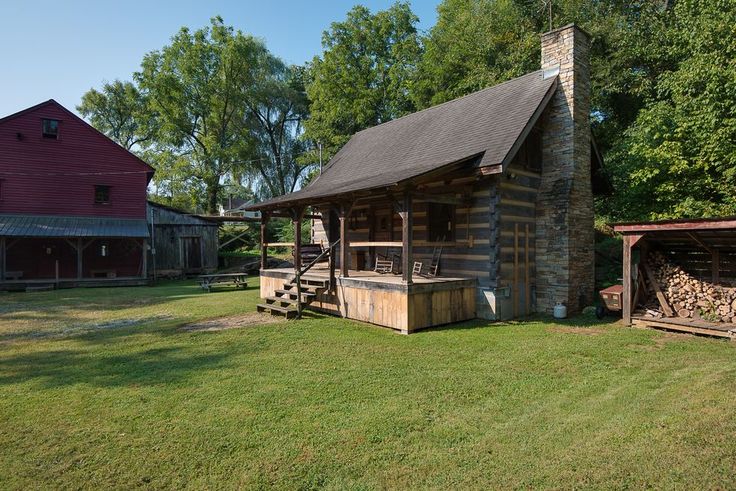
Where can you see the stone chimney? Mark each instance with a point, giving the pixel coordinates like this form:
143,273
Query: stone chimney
565,234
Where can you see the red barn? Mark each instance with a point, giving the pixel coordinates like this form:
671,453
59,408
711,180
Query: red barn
72,203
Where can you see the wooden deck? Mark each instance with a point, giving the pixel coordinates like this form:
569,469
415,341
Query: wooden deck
384,299
371,277
692,326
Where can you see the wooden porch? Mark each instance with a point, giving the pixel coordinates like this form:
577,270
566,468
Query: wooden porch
383,299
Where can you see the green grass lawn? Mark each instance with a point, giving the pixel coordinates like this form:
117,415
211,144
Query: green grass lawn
102,388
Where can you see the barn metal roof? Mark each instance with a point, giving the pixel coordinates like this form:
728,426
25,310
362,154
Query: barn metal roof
64,226
488,124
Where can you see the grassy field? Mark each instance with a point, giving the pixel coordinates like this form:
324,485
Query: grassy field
104,388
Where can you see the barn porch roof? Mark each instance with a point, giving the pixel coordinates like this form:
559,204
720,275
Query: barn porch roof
65,226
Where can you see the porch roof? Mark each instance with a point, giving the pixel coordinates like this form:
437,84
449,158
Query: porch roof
65,226
485,128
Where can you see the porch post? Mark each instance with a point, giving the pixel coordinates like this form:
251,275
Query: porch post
144,258
627,281
407,258
264,247
716,265
296,218
343,214
2,258
80,250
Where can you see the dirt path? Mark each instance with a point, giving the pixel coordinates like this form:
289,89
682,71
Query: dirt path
234,322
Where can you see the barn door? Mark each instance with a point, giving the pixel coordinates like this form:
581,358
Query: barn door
192,251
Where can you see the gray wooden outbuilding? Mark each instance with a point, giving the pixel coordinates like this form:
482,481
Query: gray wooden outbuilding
183,243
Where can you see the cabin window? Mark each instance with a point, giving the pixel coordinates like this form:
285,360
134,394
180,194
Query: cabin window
441,222
50,128
102,194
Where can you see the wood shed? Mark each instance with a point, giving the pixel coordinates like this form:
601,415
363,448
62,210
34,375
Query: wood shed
680,275
183,243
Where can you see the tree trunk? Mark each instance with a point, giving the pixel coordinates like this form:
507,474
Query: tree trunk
213,190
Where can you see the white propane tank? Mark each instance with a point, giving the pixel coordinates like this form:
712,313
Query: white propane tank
560,311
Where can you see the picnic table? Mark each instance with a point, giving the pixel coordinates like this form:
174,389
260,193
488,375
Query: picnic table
206,281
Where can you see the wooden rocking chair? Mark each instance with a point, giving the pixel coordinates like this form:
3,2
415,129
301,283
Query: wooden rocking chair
434,264
384,266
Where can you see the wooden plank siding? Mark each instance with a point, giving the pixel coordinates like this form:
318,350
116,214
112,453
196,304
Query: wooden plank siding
171,227
45,176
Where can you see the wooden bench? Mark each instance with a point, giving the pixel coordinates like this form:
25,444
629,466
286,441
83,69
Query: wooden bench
206,281
14,275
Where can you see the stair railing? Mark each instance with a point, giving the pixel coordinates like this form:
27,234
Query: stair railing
329,252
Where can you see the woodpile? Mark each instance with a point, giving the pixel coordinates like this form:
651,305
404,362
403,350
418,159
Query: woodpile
687,296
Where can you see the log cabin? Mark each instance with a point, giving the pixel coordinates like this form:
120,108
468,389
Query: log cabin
478,207
72,203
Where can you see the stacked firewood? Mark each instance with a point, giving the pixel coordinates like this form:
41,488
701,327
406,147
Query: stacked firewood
689,296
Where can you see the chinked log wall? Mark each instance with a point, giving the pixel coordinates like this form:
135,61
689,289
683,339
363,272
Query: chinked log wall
494,237
515,269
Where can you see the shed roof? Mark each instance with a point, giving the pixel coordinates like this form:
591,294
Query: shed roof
68,227
680,224
489,124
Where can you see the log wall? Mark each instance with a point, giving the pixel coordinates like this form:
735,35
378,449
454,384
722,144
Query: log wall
515,266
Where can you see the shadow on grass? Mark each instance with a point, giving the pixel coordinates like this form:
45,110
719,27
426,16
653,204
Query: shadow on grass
147,367
580,321
53,307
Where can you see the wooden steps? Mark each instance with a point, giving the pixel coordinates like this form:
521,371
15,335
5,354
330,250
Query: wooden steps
289,313
286,301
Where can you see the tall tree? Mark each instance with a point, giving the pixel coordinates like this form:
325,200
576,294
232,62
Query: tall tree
120,111
474,44
198,87
364,75
276,114
679,157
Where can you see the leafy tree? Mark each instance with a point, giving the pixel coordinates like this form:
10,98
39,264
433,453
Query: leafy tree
364,75
679,157
120,111
276,114
475,44
198,87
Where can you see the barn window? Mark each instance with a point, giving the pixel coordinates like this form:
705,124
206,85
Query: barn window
102,194
50,128
441,222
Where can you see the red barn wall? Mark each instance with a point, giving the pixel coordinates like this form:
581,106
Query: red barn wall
42,176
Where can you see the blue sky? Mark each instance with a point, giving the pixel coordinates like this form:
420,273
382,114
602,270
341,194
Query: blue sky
60,49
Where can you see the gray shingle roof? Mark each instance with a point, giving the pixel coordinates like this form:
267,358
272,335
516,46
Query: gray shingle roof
62,226
486,123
